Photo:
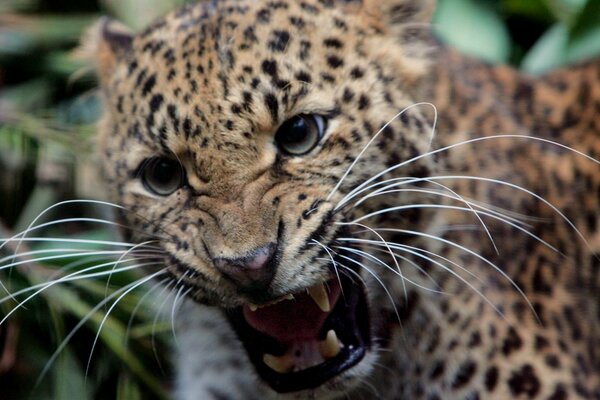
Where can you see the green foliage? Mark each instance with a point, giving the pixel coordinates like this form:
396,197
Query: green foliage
534,35
46,130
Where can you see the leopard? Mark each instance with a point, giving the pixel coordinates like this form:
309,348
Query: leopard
351,209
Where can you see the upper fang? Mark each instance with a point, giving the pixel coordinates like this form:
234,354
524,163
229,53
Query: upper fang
319,295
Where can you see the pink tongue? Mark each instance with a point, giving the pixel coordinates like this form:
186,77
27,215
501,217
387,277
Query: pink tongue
292,320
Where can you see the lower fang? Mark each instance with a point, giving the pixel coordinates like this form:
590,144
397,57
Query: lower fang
283,364
331,346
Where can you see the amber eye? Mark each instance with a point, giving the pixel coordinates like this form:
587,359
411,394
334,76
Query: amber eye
300,134
162,175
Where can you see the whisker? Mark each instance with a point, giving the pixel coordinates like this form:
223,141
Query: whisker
71,277
157,314
83,320
453,195
431,253
457,208
59,204
382,240
129,251
403,258
173,310
337,273
374,137
135,310
473,253
374,275
173,307
360,187
445,268
406,248
62,257
71,220
379,261
129,288
77,276
396,182
71,240
520,188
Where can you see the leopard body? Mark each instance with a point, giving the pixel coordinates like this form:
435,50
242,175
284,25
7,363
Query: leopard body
479,308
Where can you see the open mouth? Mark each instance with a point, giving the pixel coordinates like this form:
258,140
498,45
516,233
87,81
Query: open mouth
301,341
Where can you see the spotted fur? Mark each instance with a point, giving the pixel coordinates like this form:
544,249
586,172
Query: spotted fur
211,83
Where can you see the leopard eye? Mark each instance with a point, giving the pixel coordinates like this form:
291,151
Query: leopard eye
162,175
300,134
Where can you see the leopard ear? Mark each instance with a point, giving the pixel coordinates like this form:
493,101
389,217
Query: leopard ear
104,46
402,12
406,21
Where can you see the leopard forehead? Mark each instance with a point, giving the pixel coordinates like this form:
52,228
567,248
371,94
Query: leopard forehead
211,79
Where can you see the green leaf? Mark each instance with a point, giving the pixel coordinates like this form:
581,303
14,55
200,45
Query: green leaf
128,389
137,14
21,34
532,9
565,10
584,40
548,52
7,6
474,28
31,95
69,379
112,334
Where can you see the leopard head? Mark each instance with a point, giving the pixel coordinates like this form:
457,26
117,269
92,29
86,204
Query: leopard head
242,137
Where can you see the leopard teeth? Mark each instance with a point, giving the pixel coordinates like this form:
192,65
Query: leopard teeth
253,307
282,364
319,295
331,346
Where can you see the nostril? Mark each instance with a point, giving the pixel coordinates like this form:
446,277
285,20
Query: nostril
259,258
255,268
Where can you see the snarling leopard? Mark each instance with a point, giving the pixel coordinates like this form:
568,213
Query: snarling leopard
351,209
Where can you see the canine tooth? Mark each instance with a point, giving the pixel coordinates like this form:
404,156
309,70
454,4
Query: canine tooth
330,347
288,296
283,364
319,295
252,307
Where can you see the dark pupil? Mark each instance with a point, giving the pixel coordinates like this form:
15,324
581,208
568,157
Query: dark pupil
164,172
296,131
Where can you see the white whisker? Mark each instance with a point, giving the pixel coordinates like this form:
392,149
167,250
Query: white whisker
337,273
173,306
380,262
68,240
382,240
453,195
457,208
377,247
377,278
471,252
360,187
83,320
374,137
126,253
75,276
128,289
453,273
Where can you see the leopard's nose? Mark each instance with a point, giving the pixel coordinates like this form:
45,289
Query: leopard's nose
252,271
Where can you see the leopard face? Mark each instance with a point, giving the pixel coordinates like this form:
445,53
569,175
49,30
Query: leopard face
241,137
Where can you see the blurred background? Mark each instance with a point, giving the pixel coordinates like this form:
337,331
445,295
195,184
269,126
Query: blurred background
48,107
